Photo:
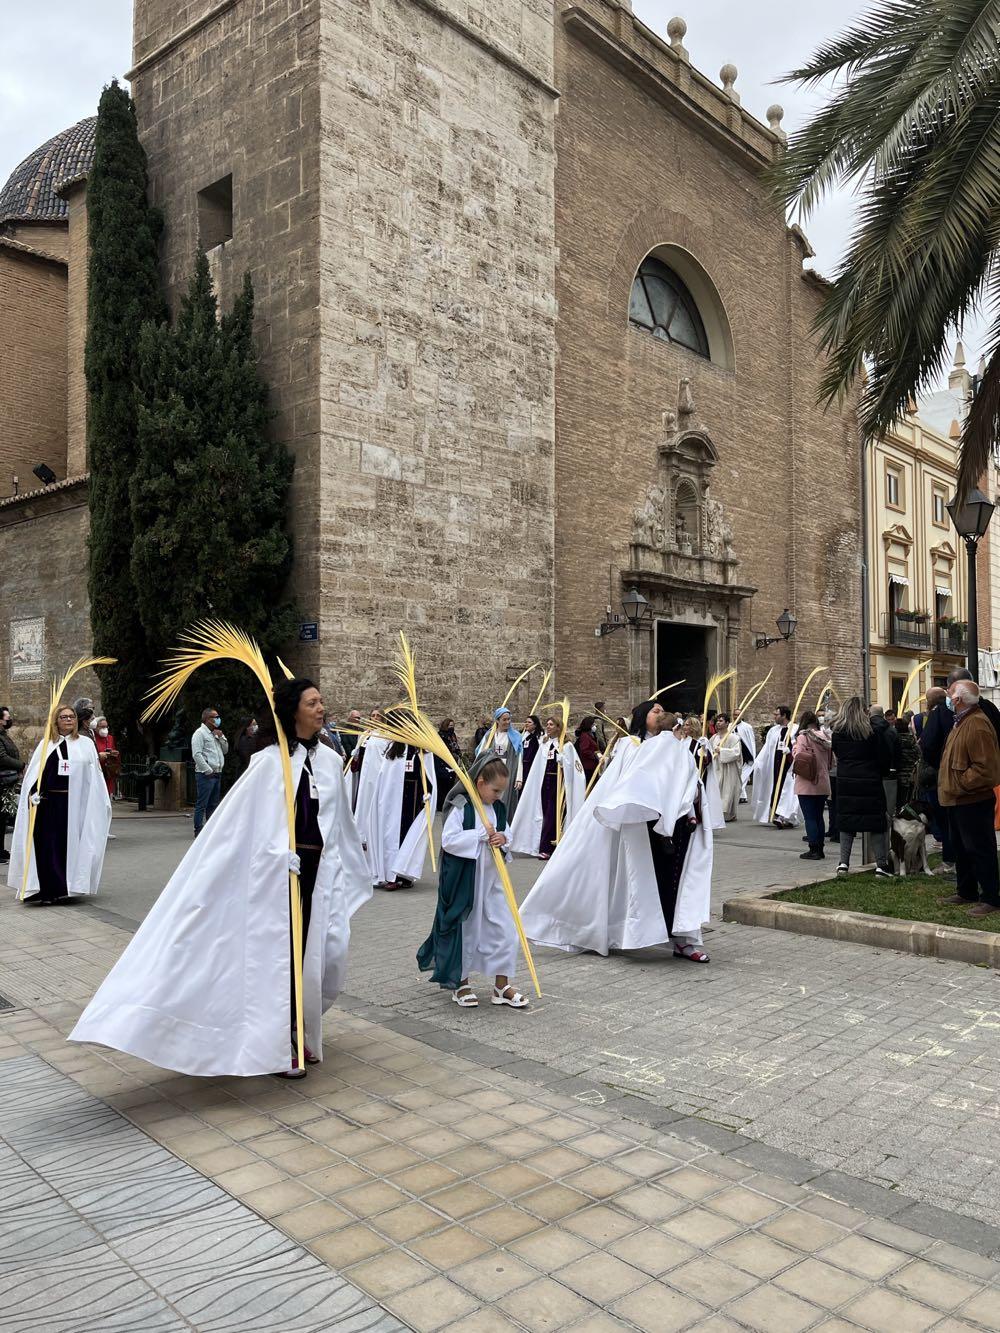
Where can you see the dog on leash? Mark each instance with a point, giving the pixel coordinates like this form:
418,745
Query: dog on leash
908,842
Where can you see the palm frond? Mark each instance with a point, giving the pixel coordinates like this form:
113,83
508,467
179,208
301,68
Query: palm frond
663,689
791,729
59,687
921,666
982,426
541,691
488,739
210,641
710,690
409,725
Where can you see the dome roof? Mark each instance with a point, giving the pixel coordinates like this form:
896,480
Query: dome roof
30,192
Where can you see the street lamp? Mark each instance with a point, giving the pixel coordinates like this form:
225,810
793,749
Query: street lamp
971,518
786,623
637,612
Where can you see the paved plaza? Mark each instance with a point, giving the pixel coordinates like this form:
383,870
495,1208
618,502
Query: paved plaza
800,1136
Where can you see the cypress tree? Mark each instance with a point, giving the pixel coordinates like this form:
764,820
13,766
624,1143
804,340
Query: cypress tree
209,489
124,292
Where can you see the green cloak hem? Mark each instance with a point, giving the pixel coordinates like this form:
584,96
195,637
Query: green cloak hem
441,952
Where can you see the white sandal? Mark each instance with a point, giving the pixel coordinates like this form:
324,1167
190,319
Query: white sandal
465,997
515,1001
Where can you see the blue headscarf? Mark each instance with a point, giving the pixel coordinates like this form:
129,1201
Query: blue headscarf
516,739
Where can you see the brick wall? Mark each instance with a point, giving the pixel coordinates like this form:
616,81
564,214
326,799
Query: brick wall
633,174
32,367
50,238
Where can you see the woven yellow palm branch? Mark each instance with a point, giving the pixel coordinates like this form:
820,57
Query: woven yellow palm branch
211,641
563,707
407,674
50,735
663,689
487,740
904,702
710,689
541,691
746,701
409,725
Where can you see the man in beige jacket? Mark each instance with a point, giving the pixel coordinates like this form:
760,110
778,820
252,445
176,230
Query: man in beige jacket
970,769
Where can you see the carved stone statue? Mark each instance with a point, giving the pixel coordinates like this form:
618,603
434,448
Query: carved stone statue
713,527
647,521
669,423
685,404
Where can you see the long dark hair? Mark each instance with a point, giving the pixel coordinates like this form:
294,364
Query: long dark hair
586,724
639,714
287,694
537,733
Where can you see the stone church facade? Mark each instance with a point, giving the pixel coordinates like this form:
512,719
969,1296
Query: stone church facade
532,329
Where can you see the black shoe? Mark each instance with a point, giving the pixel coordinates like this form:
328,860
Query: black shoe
4,857
812,855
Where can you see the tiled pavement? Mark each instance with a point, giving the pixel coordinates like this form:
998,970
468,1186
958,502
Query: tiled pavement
417,1167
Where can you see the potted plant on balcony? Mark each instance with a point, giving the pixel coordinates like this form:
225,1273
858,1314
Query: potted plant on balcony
907,616
947,622
921,617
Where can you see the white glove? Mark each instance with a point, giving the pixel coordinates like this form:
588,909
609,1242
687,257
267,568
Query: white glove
34,798
294,864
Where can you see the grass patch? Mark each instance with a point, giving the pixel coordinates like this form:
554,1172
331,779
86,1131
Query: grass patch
909,898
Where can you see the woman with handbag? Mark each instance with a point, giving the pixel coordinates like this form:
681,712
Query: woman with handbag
811,758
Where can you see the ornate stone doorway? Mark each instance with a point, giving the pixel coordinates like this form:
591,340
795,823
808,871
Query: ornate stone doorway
682,559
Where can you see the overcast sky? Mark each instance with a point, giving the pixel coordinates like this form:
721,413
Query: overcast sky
52,70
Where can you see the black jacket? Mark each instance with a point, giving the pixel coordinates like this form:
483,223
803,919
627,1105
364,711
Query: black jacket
932,739
861,766
890,742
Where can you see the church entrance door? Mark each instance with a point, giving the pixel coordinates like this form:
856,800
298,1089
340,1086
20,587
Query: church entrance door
682,654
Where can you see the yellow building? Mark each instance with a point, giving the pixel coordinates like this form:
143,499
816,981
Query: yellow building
917,564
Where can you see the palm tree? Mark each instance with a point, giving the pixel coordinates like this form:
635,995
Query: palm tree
913,123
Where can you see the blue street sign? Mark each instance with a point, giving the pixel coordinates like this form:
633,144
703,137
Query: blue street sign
309,632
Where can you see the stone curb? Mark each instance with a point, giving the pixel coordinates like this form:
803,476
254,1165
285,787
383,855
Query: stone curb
924,938
880,1201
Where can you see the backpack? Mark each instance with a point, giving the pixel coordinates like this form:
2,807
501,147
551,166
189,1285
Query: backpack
804,763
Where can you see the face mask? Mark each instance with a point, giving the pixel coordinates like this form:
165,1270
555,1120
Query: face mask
950,703
252,729
102,731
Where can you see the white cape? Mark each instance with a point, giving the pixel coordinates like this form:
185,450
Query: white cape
374,748
710,781
763,782
87,825
726,760
599,890
745,732
387,857
526,826
204,985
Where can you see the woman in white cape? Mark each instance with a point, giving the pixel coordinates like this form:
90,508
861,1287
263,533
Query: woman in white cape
611,884
72,822
205,985
727,756
533,828
396,824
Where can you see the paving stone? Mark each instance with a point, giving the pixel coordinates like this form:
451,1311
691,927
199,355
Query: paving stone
652,1251
601,1277
933,1285
658,1309
865,1257
493,1274
771,1310
757,1254
860,1194
543,1305
982,1309
550,1248
450,1247
432,1305
600,1224
821,1283
389,1273
743,1205
967,1232
698,1226
709,1280
504,1224
802,1230
881,1309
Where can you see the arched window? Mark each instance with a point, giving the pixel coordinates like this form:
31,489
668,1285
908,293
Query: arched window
662,305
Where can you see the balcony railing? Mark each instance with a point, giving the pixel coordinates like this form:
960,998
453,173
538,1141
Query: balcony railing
953,639
904,633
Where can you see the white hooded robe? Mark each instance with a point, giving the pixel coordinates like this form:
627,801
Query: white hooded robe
204,985
88,820
387,857
599,890
526,826
763,781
